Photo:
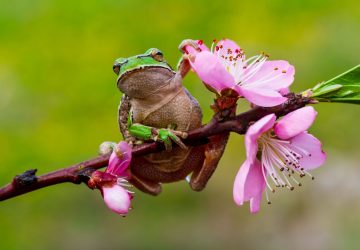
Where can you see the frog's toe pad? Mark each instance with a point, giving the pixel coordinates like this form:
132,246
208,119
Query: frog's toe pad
106,147
188,42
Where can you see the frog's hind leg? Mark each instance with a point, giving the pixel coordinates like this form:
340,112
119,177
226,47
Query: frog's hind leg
213,152
146,186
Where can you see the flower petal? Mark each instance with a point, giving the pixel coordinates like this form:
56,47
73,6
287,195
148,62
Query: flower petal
254,132
202,46
315,157
284,91
255,203
261,96
120,159
295,122
191,50
226,47
249,182
117,199
210,70
274,75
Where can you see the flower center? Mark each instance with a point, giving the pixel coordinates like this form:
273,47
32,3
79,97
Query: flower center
249,68
230,58
281,160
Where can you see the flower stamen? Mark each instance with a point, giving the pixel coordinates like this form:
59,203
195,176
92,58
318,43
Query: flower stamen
278,156
267,183
242,76
267,197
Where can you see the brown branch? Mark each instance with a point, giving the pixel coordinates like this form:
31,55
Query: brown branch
80,172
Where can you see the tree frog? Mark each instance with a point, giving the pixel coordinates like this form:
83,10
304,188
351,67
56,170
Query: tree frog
153,105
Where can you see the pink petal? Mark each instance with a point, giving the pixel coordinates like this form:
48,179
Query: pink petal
210,70
192,50
226,47
274,75
295,122
284,91
249,182
119,159
202,46
255,203
117,199
315,157
261,96
254,132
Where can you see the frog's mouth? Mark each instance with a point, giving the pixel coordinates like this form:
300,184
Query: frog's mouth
147,72
146,68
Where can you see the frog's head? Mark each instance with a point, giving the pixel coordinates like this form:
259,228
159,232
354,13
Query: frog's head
142,74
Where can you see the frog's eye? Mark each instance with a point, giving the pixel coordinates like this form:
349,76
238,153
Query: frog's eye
118,63
157,55
116,68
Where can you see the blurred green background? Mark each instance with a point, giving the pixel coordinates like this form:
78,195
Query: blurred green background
58,102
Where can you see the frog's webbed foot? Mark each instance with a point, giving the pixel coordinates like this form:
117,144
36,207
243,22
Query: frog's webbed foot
131,140
146,186
189,42
184,65
213,152
107,147
167,136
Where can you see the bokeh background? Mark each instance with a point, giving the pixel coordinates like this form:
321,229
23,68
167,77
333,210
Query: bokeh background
58,102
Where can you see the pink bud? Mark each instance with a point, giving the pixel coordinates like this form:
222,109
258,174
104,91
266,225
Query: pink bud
120,159
117,199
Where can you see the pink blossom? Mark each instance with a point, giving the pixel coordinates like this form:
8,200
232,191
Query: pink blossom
225,66
113,182
120,159
277,152
117,198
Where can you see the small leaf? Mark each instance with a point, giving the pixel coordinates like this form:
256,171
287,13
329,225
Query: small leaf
342,88
326,90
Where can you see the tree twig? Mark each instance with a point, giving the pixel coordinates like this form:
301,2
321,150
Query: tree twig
79,173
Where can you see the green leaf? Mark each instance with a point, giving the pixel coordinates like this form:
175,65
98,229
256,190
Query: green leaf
342,88
326,90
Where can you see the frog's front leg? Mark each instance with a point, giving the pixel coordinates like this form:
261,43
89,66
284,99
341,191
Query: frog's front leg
165,135
123,116
183,66
213,152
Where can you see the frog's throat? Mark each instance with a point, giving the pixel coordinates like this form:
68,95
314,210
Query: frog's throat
144,107
140,67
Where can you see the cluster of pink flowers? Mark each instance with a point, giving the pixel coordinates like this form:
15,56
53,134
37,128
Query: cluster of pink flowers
278,153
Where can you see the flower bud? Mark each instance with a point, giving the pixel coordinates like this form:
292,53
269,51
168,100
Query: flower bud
117,199
120,159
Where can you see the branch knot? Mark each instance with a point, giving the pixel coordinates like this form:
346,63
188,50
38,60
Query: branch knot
25,179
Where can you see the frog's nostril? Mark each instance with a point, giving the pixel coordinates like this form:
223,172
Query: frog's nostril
116,68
